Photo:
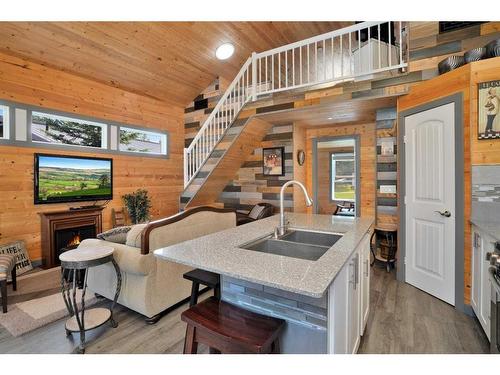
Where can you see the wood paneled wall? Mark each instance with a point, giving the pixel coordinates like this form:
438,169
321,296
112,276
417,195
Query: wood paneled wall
25,82
250,186
299,171
367,159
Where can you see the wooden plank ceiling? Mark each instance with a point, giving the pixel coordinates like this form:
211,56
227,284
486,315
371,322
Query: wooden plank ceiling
352,111
170,61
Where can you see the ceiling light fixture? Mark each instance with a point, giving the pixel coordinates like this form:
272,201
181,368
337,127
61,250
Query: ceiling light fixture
330,118
224,51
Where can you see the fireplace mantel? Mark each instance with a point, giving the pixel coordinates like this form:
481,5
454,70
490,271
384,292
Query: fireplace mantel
56,220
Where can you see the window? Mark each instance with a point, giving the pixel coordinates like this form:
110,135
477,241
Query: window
142,141
343,177
4,122
56,129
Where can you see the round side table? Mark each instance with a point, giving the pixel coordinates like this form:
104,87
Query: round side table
82,320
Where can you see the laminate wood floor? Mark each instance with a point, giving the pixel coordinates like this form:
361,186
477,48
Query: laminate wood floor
402,319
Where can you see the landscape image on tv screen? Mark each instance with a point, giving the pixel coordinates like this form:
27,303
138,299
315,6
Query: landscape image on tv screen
66,178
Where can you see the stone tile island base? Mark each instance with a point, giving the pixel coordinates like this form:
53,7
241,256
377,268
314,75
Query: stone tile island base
306,317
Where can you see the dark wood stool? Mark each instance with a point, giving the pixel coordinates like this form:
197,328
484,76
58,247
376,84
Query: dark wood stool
384,245
209,279
7,266
230,329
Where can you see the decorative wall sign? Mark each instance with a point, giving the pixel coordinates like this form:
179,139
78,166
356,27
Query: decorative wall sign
388,189
387,148
301,157
273,161
488,122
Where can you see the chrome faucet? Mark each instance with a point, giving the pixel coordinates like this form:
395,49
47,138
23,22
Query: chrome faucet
281,230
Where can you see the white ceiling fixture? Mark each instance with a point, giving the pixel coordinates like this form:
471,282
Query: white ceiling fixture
224,51
330,118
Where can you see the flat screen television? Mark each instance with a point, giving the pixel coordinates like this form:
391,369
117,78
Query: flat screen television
60,178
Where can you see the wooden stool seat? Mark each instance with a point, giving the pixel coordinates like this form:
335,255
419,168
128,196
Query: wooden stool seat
197,276
230,329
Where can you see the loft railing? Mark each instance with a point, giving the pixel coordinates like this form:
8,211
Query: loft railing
352,53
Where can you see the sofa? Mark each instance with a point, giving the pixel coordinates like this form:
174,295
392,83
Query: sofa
151,286
259,211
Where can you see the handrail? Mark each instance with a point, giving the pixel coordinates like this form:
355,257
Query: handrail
332,57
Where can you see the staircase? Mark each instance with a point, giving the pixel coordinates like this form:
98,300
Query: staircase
353,53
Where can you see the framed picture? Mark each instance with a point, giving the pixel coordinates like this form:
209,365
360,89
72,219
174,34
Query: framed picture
273,161
387,148
488,99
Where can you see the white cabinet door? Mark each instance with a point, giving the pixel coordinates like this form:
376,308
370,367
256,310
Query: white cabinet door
354,302
475,299
338,310
485,299
365,282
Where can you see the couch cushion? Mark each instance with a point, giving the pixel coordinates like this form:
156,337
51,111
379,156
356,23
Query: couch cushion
128,258
116,235
134,235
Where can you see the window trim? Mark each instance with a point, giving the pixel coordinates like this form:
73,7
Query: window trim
144,130
75,148
6,124
341,156
104,130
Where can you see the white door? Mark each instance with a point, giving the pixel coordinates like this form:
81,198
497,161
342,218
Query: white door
430,201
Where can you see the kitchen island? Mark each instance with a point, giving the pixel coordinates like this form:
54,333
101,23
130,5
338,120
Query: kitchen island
324,301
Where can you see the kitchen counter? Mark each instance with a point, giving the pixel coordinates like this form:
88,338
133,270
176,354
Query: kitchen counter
490,228
220,253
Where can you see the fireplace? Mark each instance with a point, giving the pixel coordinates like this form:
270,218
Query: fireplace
64,230
69,239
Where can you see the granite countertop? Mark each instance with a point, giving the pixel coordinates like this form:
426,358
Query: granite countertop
490,227
220,253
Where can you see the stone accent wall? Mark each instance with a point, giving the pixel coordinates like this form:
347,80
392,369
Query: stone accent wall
250,186
486,192
199,109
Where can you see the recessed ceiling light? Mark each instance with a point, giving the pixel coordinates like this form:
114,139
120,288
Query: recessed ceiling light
330,118
224,51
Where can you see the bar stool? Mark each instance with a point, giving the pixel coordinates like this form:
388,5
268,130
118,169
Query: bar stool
229,329
209,279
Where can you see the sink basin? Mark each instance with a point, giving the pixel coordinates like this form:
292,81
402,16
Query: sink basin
300,244
311,238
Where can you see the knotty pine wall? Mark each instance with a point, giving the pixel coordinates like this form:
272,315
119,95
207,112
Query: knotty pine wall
25,82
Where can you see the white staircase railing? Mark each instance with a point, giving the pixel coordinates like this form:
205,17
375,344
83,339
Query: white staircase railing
351,53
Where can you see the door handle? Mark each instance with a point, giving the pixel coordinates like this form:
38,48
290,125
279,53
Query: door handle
445,213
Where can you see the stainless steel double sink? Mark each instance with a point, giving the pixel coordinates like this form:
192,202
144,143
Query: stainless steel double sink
295,243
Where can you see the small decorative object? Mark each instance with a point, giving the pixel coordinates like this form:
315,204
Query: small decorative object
450,63
493,48
388,189
17,248
301,157
273,161
387,148
488,122
475,54
138,205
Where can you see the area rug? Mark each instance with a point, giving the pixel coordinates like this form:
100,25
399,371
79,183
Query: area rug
27,316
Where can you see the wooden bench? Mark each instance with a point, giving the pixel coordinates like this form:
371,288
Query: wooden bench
228,329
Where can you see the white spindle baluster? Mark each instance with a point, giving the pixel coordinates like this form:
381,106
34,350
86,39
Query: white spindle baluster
293,67
266,76
279,70
272,72
350,56
341,57
333,61
359,51
300,64
370,54
286,68
324,60
316,61
379,57
308,67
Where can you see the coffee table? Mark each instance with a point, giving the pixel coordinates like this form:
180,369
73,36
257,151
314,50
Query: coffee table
82,320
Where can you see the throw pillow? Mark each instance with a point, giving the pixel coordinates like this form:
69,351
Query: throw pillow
134,235
115,235
23,262
256,210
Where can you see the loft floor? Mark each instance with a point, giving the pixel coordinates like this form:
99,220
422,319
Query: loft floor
402,319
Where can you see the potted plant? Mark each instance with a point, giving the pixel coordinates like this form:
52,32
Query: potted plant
138,205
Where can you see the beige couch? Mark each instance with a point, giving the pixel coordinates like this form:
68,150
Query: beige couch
150,286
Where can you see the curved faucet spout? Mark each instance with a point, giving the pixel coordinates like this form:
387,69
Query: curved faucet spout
282,228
